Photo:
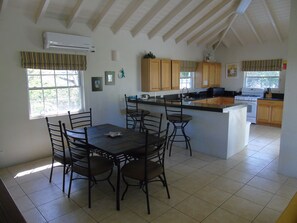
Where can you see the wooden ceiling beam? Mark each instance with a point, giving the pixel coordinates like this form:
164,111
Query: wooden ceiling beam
201,21
41,10
276,29
148,16
237,36
187,18
126,14
226,30
74,13
3,5
212,25
213,34
102,13
253,28
168,18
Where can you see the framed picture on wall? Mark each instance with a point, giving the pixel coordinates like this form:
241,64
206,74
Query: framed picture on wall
109,78
97,84
232,70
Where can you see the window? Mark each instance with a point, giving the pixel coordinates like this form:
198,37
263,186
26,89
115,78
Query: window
54,92
186,80
262,79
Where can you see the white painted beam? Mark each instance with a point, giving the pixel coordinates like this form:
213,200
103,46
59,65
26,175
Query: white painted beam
187,18
148,16
276,29
41,10
226,30
74,13
3,5
237,36
102,13
168,18
212,25
253,28
213,34
201,21
122,19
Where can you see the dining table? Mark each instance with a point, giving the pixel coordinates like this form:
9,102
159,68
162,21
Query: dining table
116,142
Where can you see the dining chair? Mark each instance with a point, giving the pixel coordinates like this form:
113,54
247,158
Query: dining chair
151,123
59,152
83,164
133,113
179,120
148,169
79,120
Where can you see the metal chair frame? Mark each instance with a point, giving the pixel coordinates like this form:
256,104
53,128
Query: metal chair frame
79,120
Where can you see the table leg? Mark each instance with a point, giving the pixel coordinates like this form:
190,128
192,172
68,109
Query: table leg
118,184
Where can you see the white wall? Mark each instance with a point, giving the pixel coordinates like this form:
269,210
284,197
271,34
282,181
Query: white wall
288,147
251,52
22,139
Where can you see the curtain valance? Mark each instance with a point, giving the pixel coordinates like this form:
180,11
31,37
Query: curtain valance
262,65
53,61
188,66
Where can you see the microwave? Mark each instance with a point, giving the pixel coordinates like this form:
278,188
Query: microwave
215,91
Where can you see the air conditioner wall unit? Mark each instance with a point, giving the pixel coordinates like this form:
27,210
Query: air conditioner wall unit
66,41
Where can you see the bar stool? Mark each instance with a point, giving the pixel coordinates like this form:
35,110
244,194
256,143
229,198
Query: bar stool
174,115
133,113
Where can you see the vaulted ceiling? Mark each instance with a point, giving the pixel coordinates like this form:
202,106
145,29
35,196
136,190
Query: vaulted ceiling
210,23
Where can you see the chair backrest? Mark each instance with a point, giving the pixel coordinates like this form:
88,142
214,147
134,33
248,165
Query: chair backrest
82,119
131,106
155,152
56,138
79,149
173,107
152,123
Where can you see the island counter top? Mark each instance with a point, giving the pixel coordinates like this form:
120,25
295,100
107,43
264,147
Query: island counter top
192,104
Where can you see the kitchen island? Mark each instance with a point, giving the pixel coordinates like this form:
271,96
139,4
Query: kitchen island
217,130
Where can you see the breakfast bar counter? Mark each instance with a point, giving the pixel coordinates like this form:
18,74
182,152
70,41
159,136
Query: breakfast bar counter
217,130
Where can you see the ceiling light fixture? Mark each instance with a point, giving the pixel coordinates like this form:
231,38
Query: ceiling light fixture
243,5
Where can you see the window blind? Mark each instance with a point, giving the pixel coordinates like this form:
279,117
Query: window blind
188,66
262,65
53,61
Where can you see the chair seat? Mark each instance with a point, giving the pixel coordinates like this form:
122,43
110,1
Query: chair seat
58,156
179,118
135,170
98,165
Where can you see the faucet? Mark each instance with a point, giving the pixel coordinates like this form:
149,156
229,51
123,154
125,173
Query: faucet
182,91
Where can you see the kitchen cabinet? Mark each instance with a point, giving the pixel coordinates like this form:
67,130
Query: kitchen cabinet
165,75
155,74
208,75
150,75
175,74
270,112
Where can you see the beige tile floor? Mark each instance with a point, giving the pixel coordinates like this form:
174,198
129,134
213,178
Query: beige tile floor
244,188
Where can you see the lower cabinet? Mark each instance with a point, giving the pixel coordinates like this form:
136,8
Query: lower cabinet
270,112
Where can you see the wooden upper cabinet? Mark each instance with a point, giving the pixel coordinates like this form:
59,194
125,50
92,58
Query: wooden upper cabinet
208,75
159,74
175,74
217,78
150,75
165,75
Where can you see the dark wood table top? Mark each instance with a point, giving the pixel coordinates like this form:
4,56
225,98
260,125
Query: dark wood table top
128,141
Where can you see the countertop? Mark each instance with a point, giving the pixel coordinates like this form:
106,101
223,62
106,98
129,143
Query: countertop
193,104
